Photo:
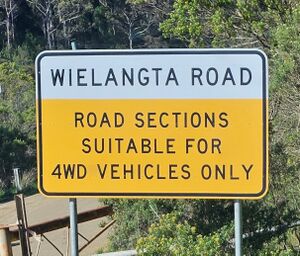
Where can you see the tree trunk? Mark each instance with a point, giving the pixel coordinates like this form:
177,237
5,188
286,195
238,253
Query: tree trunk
12,15
9,22
8,42
130,36
51,31
48,35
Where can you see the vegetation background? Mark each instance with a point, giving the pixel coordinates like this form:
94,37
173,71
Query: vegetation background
165,227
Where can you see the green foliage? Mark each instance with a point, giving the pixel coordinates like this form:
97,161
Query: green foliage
171,237
284,116
129,21
286,52
13,153
135,216
284,126
272,25
2,189
17,117
185,23
28,184
133,219
226,23
17,105
275,248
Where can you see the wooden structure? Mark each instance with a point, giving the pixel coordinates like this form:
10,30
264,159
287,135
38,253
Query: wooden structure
22,232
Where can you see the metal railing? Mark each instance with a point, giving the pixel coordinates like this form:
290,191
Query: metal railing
121,253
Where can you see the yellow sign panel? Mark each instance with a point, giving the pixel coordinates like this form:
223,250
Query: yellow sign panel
180,124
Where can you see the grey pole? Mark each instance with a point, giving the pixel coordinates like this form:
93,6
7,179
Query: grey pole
73,227
73,45
238,227
73,213
17,179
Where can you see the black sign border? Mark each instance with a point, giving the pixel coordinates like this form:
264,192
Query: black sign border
156,52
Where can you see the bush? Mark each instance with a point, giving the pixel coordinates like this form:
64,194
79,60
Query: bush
133,219
2,189
274,248
170,237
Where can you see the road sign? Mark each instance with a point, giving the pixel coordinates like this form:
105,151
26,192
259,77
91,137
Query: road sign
173,123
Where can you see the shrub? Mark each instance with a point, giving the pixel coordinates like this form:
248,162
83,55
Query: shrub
171,237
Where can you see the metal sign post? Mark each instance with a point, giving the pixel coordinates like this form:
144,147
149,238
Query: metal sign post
73,213
238,227
73,226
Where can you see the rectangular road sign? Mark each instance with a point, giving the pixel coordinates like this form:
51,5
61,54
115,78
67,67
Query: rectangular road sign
178,123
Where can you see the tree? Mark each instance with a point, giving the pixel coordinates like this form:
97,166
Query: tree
226,23
135,216
272,25
69,14
46,10
10,10
17,105
174,237
56,14
14,152
134,19
17,118
285,120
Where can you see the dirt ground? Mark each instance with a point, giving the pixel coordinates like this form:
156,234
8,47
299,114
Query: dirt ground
41,209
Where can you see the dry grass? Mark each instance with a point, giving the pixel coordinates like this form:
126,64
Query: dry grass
28,178
3,188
